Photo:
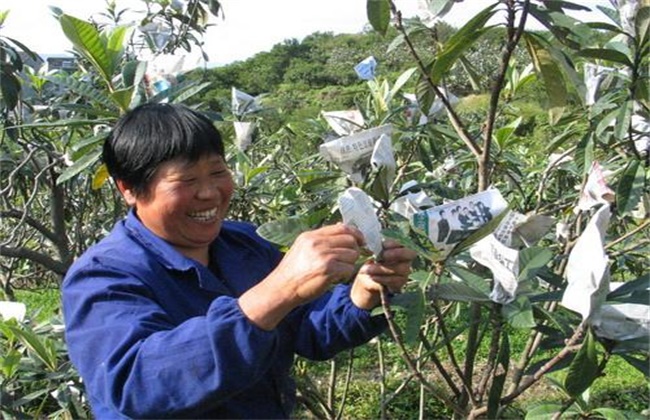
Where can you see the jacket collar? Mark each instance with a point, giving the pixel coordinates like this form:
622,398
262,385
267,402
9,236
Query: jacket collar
169,257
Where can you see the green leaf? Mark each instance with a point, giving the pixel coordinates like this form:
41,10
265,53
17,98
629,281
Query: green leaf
614,414
283,232
584,155
133,72
115,47
43,349
475,281
380,186
519,313
413,303
556,89
503,134
564,28
623,120
378,15
543,411
87,40
180,93
472,75
642,24
79,166
642,365
532,260
457,291
584,367
401,81
85,89
423,91
637,285
630,187
10,89
607,55
10,362
123,98
406,241
425,153
499,380
458,43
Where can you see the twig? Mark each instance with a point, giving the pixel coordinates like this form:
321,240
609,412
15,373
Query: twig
453,117
639,228
570,347
348,378
407,358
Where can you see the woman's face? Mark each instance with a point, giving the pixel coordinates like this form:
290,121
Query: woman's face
186,203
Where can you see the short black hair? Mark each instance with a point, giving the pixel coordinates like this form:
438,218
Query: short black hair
152,134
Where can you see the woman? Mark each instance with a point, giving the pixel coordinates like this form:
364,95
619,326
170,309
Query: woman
181,313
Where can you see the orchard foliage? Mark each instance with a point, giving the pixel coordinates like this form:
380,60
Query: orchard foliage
527,122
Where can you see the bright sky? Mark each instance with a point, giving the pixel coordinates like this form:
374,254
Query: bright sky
249,26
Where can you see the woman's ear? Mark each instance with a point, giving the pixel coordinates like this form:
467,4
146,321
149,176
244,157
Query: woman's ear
126,192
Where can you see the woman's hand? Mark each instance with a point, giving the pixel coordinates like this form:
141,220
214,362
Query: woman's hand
391,272
316,260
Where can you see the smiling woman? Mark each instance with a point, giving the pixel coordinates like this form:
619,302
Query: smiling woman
181,313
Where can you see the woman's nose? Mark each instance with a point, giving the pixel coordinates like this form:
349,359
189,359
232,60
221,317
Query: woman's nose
207,190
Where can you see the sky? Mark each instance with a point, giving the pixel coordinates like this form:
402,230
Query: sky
247,27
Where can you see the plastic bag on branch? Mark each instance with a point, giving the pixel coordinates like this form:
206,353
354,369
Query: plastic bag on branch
358,211
437,107
157,33
499,251
242,103
518,230
627,10
366,68
447,167
594,75
596,190
344,123
623,321
503,262
410,201
164,70
449,224
587,269
352,153
243,134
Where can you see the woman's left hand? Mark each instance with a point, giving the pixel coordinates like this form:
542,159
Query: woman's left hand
391,272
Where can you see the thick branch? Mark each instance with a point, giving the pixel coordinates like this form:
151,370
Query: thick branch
51,264
38,226
511,45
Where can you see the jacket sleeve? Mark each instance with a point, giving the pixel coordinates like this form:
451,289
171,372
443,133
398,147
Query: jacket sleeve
332,323
135,361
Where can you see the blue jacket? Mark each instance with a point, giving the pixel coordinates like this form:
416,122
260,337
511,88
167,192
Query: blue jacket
155,334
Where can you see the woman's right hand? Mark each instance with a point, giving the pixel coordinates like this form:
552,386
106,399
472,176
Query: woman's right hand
316,260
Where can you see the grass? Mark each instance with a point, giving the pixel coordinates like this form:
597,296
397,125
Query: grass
621,387
42,304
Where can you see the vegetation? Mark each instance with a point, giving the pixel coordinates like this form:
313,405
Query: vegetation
526,124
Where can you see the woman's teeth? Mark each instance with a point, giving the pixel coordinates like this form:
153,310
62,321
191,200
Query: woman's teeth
204,216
